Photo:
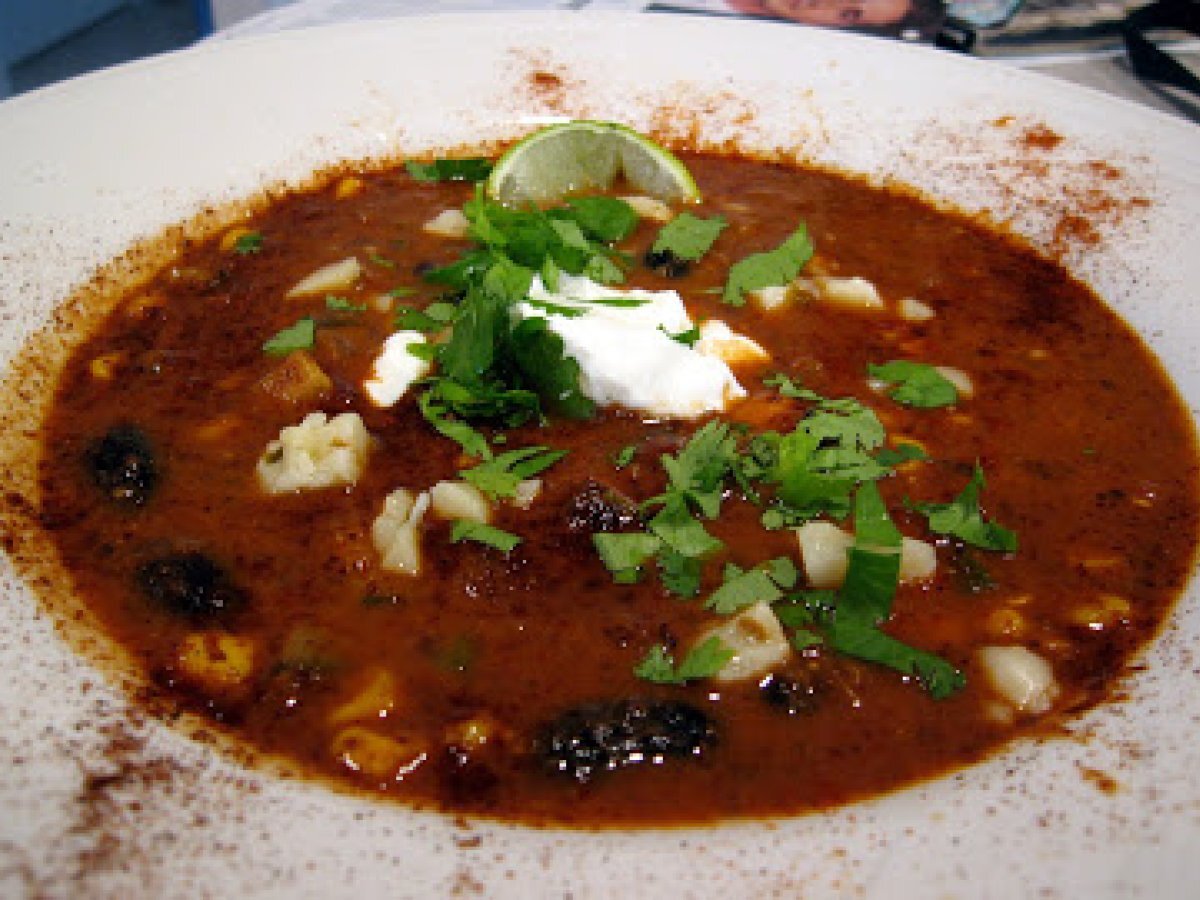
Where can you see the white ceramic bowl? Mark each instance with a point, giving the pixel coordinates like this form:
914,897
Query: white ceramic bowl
98,803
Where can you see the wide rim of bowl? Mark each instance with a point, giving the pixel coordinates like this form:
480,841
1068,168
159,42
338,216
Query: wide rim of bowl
91,166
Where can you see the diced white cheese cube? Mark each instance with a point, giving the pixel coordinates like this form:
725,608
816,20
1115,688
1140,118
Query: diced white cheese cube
773,297
756,639
852,292
317,453
650,208
449,223
396,531
823,553
717,339
336,276
961,380
395,369
1021,677
460,500
915,311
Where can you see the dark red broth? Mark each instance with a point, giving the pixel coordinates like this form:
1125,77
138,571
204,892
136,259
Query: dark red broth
1089,455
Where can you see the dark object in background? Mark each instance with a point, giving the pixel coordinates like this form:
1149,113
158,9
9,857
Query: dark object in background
1150,61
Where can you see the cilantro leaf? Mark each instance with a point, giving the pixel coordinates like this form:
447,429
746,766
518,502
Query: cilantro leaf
341,304
918,384
674,525
603,218
465,530
434,317
499,477
248,243
900,454
698,471
680,574
300,336
624,554
962,518
743,589
471,169
688,237
856,639
688,338
702,661
437,415
822,460
773,267
539,354
624,456
791,389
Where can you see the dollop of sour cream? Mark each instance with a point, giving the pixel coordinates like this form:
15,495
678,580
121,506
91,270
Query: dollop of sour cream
625,350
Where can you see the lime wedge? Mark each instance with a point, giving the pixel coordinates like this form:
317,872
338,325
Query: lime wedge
587,156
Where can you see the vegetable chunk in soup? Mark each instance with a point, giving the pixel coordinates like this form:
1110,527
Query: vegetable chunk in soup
613,512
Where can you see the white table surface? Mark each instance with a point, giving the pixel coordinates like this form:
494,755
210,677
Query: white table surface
1100,64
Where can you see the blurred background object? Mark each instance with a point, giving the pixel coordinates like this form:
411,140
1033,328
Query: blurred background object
43,41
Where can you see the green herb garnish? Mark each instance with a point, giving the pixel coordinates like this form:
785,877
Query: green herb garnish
702,661
247,244
916,384
688,237
962,518
300,336
472,169
500,476
465,530
774,267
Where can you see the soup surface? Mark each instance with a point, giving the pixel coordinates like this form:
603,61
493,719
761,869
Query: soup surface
682,617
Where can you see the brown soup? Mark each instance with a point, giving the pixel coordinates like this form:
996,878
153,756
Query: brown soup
502,681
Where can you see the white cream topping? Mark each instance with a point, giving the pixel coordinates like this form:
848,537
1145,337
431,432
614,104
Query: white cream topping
395,369
626,354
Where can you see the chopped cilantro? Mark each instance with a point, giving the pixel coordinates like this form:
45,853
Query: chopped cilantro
936,675
402,291
697,473
434,317
917,384
471,169
773,267
341,304
762,584
793,390
624,554
962,518
464,530
437,415
688,237
380,260
540,356
300,336
865,601
248,243
903,452
822,460
674,525
624,456
688,338
499,477
603,218
680,574
702,661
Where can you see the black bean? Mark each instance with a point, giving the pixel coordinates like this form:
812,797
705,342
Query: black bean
122,465
666,263
603,737
600,508
190,584
790,695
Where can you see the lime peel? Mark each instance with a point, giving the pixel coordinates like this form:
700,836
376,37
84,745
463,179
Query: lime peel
585,155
